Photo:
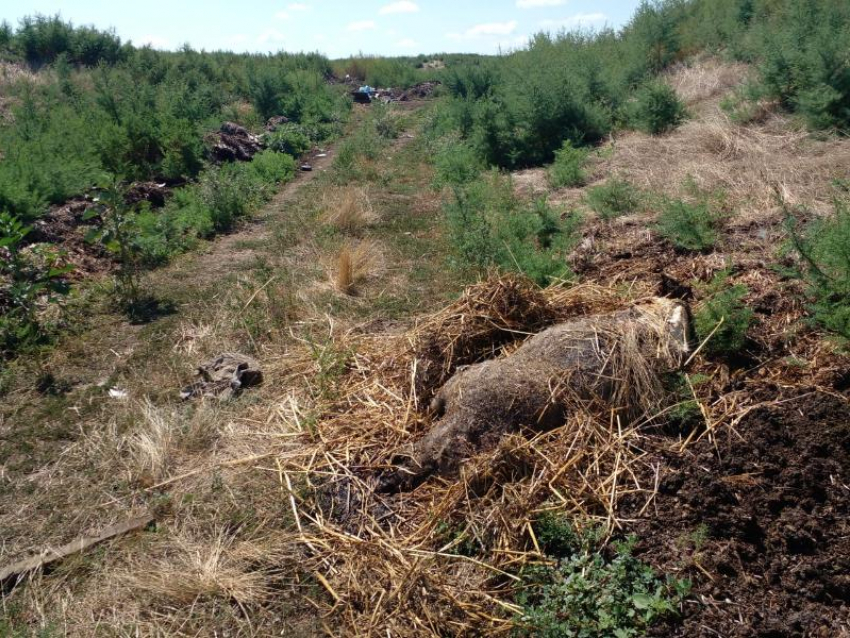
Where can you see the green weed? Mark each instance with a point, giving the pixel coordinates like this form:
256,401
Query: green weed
29,279
822,246
592,592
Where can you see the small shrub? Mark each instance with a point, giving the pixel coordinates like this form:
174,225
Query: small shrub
822,246
685,413
614,198
489,226
229,192
656,108
385,122
118,233
723,313
270,167
289,138
568,167
456,163
595,593
689,226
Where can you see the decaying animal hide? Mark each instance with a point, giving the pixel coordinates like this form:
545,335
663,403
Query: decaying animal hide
617,358
224,376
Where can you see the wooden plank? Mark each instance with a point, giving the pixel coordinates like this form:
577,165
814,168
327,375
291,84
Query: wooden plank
12,574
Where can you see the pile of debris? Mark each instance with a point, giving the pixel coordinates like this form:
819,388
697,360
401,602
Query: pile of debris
233,143
153,193
421,91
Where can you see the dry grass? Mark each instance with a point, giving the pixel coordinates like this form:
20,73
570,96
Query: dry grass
348,210
151,446
393,565
216,567
705,79
748,163
356,263
366,564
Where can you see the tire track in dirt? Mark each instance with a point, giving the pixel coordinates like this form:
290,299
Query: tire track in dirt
228,251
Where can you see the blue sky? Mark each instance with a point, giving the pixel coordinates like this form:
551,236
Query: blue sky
334,27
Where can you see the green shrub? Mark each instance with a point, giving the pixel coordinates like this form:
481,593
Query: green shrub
685,413
801,51
271,167
614,198
175,228
289,138
823,248
41,39
568,167
455,163
689,226
489,227
656,108
116,231
379,72
594,593
724,314
229,192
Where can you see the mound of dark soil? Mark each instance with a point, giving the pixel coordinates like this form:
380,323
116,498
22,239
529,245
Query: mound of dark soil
760,524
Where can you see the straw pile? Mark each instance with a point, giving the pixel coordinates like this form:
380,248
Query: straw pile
443,560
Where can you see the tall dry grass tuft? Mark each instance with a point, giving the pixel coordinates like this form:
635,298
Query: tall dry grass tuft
214,568
356,263
151,446
347,209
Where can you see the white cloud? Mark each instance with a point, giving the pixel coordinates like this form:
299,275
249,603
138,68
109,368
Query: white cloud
578,20
281,15
270,35
534,4
298,6
407,43
485,30
154,41
361,25
402,6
